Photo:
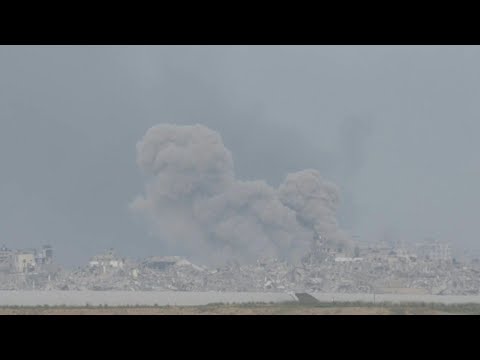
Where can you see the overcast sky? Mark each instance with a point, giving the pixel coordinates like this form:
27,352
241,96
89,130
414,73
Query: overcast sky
395,127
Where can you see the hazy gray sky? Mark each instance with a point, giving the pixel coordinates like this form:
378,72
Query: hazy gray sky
395,127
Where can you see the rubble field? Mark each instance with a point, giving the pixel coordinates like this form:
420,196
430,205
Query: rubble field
373,272
375,275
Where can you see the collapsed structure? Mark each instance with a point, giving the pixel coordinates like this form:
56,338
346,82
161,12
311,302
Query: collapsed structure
376,268
27,268
109,260
25,261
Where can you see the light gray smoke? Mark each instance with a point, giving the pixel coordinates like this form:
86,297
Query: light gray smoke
200,210
315,202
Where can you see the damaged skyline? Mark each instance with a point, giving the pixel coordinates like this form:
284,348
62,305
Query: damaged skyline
427,268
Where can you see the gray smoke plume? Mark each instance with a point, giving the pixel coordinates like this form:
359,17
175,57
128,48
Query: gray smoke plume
315,202
200,210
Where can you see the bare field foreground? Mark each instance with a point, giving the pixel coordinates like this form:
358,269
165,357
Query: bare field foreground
166,303
254,309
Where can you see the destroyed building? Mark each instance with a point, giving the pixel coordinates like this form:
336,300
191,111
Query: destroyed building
45,256
25,260
27,269
434,250
6,259
107,261
161,262
373,269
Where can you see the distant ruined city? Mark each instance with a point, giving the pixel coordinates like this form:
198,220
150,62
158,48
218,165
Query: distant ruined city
426,268
253,236
194,201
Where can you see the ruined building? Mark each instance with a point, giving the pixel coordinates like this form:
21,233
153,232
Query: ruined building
25,261
107,261
435,251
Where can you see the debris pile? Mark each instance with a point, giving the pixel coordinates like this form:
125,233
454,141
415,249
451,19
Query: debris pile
320,270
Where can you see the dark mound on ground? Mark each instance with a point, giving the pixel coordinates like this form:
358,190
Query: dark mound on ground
304,298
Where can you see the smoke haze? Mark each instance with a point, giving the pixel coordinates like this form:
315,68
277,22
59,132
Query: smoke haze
394,127
199,209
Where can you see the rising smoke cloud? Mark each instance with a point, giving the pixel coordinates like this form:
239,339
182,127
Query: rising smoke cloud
199,209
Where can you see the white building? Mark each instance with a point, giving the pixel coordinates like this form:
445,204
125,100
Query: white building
107,261
24,261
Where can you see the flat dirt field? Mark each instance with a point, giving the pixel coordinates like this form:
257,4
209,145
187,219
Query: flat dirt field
260,309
